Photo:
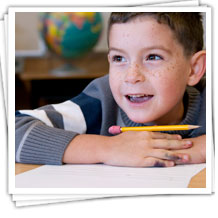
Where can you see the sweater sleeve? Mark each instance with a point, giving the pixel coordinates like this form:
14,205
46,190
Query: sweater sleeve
43,134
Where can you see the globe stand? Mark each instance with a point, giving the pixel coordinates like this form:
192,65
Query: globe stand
67,69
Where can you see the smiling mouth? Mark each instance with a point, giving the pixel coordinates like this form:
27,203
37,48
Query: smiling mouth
138,98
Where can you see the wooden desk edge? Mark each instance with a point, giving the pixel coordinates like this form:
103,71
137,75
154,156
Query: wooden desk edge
197,181
21,168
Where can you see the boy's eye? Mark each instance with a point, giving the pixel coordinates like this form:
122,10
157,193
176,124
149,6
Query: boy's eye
118,58
154,57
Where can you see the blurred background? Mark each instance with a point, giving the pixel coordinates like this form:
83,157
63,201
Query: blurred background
57,54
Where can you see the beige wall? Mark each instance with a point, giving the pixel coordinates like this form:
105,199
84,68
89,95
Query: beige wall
26,31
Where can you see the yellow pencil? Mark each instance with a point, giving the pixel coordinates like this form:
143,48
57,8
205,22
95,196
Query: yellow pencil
118,129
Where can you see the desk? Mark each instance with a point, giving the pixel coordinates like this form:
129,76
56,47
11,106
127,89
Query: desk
197,181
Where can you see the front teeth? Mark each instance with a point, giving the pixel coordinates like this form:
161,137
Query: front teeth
137,96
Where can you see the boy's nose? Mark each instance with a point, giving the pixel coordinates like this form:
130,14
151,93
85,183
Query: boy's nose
134,75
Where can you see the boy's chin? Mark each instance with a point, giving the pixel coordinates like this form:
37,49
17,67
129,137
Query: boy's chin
139,119
142,117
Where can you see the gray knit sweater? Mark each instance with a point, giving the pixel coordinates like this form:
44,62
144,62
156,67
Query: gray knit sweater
43,134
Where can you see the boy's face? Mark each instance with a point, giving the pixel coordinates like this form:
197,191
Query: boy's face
148,71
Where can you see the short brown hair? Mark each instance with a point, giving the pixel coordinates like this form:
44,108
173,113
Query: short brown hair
187,26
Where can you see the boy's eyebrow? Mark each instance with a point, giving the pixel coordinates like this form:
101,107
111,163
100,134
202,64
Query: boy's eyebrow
160,47
115,49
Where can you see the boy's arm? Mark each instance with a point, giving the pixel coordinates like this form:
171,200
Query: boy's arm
37,143
135,149
43,134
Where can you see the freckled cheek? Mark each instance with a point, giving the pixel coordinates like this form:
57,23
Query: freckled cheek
171,74
171,69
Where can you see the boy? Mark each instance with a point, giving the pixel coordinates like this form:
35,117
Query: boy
153,58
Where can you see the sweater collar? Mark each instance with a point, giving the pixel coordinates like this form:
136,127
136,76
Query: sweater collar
192,103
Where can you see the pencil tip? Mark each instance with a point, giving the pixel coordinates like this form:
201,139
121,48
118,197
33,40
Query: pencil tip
193,126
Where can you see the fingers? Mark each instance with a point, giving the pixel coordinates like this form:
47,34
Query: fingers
155,162
159,135
171,144
169,155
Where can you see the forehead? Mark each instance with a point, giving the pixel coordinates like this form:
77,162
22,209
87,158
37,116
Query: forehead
141,30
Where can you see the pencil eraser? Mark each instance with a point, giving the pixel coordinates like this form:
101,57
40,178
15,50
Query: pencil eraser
114,130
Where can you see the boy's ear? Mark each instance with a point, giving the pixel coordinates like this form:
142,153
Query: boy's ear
198,67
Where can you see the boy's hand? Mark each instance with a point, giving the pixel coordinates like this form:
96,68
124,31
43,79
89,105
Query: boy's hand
197,152
145,149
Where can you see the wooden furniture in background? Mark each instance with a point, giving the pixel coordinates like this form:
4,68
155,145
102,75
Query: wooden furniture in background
43,87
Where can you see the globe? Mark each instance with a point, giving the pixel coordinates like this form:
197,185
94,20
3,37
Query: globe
71,34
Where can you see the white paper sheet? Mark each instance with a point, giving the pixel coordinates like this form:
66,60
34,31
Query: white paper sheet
102,176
